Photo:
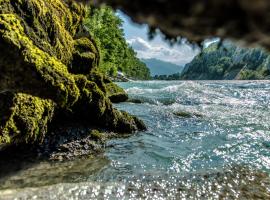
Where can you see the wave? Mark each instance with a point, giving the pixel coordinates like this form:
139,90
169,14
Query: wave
170,89
137,90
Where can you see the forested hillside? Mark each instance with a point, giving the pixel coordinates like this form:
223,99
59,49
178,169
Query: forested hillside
116,55
227,61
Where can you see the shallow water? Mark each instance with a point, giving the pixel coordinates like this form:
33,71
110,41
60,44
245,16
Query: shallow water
221,151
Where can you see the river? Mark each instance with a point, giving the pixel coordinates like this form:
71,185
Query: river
205,140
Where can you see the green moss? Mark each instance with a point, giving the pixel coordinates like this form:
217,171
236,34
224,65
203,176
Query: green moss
49,24
84,44
183,114
97,77
24,118
92,102
95,108
98,136
111,90
85,56
55,75
115,93
126,123
49,70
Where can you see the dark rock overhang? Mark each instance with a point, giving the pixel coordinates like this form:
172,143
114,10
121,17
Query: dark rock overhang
246,21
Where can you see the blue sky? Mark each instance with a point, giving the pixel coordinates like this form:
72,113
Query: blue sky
136,35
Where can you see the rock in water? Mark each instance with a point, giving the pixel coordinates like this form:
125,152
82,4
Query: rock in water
115,93
47,63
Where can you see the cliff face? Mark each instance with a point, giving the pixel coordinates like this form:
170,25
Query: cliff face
49,65
228,62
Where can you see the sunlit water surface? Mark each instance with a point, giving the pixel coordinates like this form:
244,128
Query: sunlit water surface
221,151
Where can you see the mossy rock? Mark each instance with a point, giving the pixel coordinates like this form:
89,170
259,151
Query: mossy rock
94,107
24,118
85,57
115,93
97,77
40,40
34,71
112,91
124,122
49,24
98,136
187,114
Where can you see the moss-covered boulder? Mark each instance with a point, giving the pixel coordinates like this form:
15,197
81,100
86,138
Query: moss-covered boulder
85,56
102,112
48,62
112,91
115,93
24,118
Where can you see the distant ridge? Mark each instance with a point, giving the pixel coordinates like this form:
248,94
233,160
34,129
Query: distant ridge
227,61
159,67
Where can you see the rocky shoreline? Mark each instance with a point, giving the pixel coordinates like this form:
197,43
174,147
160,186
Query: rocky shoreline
54,102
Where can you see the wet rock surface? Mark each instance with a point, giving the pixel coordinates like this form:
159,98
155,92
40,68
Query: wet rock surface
62,144
71,142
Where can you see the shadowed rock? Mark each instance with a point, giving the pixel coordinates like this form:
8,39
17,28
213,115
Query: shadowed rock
242,20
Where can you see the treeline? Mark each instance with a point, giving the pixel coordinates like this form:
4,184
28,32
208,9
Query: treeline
227,61
116,54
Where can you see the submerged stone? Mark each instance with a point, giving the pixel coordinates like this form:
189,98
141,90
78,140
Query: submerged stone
187,114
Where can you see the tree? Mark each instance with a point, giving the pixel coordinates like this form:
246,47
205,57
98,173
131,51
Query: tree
116,54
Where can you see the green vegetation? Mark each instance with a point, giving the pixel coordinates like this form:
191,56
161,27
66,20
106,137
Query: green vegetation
227,61
116,54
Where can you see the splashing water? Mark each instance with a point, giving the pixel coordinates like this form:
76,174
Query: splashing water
219,149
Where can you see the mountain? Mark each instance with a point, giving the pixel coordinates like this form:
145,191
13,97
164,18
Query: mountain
226,61
159,67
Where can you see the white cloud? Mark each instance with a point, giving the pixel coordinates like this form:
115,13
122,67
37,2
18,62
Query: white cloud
139,44
178,54
209,41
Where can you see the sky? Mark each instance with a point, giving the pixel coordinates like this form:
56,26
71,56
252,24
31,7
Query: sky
136,36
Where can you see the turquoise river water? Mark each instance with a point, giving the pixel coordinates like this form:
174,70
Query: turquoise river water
205,140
